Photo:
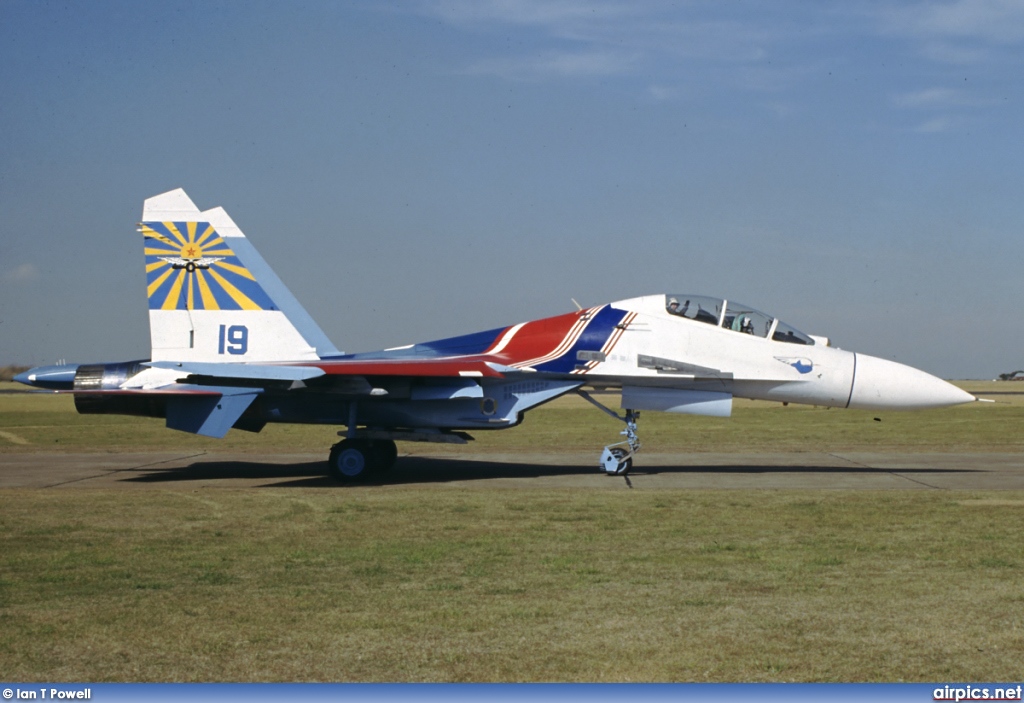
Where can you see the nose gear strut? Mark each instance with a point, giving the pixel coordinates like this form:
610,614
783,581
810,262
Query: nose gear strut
617,459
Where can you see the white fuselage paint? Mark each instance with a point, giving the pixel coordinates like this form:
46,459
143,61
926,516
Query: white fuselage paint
762,368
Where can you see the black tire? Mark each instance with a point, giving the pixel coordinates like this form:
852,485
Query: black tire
625,463
385,453
350,460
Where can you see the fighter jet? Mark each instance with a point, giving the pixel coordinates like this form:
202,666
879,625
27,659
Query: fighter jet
233,348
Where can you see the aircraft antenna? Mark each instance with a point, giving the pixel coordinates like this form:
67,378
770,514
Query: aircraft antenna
578,306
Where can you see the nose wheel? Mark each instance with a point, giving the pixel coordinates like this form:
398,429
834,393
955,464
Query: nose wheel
617,459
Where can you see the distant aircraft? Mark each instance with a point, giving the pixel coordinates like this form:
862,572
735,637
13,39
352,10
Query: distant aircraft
233,348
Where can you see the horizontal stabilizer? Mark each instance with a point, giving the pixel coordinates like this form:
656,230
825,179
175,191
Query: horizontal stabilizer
181,389
209,415
257,372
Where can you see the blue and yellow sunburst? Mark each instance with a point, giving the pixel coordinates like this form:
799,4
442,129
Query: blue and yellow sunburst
190,267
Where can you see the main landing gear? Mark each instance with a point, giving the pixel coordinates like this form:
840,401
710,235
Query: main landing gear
617,459
368,449
353,459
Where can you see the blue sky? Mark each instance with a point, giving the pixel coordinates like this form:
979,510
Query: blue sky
415,170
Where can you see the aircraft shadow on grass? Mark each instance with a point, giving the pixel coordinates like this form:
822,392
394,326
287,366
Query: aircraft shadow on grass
423,470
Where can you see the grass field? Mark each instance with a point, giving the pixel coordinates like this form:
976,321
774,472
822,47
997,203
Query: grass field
445,583
504,585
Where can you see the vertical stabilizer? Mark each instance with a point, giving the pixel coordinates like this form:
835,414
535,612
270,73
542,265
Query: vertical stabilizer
211,295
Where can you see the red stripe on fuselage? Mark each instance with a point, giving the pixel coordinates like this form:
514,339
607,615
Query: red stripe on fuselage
539,338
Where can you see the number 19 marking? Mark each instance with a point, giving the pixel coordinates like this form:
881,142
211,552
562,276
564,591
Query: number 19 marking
234,338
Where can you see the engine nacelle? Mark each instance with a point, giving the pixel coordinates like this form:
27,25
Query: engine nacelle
673,400
109,377
106,377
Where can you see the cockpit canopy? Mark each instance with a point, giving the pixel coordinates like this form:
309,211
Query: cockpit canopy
734,316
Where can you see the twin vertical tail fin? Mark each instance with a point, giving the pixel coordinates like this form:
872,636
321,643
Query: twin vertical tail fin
212,297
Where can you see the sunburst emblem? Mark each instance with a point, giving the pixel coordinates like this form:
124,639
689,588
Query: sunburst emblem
190,267
191,259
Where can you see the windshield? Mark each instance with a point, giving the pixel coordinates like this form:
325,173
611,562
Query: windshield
696,307
736,317
785,333
745,319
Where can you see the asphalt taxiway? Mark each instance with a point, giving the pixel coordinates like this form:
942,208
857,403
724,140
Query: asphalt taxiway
797,470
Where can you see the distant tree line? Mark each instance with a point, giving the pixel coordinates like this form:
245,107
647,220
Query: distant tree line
7,373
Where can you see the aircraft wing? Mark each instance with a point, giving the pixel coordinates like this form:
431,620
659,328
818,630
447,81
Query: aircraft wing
210,398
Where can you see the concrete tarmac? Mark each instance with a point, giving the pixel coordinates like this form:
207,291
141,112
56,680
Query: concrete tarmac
653,471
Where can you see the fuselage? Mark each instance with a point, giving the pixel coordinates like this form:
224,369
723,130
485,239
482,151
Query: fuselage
675,356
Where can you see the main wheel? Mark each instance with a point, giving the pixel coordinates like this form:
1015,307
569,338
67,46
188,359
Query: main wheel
385,453
350,460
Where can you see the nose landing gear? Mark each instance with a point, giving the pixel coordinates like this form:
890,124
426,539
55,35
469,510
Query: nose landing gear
617,459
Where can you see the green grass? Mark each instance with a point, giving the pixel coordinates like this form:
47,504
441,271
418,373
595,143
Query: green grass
443,584
40,422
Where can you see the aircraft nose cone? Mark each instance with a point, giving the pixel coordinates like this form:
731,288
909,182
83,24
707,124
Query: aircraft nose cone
23,378
880,384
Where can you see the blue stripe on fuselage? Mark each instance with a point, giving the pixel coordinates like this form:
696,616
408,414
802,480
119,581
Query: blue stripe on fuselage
597,332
